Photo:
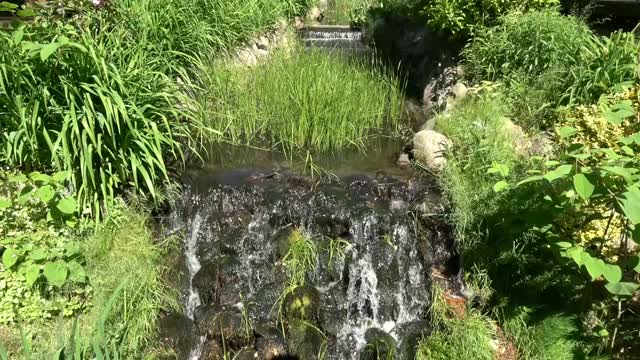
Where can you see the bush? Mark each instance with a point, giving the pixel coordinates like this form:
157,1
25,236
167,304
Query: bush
90,105
463,18
476,128
306,100
526,44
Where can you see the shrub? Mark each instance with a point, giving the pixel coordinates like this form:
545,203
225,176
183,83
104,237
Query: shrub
463,18
476,129
305,100
90,105
526,44
42,271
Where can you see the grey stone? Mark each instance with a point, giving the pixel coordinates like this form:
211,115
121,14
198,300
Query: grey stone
403,160
459,91
429,148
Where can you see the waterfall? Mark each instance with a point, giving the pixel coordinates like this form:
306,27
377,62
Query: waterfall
237,236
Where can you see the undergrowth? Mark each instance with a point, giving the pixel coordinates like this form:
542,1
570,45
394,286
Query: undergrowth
304,100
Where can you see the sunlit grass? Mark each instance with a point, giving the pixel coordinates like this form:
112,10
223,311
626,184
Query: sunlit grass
302,100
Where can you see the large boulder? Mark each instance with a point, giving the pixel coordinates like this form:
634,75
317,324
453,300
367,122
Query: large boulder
429,148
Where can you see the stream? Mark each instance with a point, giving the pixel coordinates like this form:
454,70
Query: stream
370,235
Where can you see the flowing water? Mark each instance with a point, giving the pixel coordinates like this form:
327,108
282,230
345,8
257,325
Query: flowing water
368,295
340,39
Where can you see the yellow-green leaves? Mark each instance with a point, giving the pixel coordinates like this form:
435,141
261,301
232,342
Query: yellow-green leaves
584,188
617,113
630,204
10,257
560,172
622,288
56,273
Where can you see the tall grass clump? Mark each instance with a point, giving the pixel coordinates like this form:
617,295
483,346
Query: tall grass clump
456,337
477,129
92,105
125,259
526,43
302,100
175,31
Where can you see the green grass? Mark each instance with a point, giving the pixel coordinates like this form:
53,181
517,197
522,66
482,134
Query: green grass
125,265
346,12
551,337
476,129
302,100
456,338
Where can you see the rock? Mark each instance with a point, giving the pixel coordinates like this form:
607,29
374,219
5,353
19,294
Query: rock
246,354
271,348
414,111
541,145
380,345
517,136
228,325
246,57
459,91
429,124
262,43
403,160
303,304
219,282
211,350
304,340
314,14
429,147
175,332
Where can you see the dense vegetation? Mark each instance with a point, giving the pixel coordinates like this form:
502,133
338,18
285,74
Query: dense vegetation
546,218
99,107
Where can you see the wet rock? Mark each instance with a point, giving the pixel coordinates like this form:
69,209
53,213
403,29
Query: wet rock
429,148
228,326
211,350
176,333
271,348
303,304
414,111
219,282
246,354
380,345
305,341
403,160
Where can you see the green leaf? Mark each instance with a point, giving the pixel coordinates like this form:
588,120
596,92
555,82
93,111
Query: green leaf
530,179
60,176
71,249
7,5
630,204
617,113
4,203
38,254
39,177
18,178
48,50
637,267
622,288
56,273
584,188
560,172
595,267
76,272
18,35
67,205
563,244
567,132
612,273
577,254
32,273
45,193
25,13
10,257
620,171
500,186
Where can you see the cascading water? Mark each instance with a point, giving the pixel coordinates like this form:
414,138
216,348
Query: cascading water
369,297
335,38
